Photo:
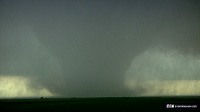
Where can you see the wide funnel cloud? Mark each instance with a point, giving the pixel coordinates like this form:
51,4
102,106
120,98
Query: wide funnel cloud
164,71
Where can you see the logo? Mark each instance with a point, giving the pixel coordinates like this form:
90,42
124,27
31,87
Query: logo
170,106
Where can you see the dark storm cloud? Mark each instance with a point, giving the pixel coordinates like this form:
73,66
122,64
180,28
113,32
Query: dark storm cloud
84,48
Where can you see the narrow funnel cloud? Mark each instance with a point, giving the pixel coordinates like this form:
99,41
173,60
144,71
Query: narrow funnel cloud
27,57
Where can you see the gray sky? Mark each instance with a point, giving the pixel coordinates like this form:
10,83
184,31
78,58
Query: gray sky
88,48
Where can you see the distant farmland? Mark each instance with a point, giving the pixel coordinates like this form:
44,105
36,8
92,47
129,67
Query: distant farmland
98,104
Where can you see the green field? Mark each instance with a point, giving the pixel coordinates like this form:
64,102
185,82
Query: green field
98,104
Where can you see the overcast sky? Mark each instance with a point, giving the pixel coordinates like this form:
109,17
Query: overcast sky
89,48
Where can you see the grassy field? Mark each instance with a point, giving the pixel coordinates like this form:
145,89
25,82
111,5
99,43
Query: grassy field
99,104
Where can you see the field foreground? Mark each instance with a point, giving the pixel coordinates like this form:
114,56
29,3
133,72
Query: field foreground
181,103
